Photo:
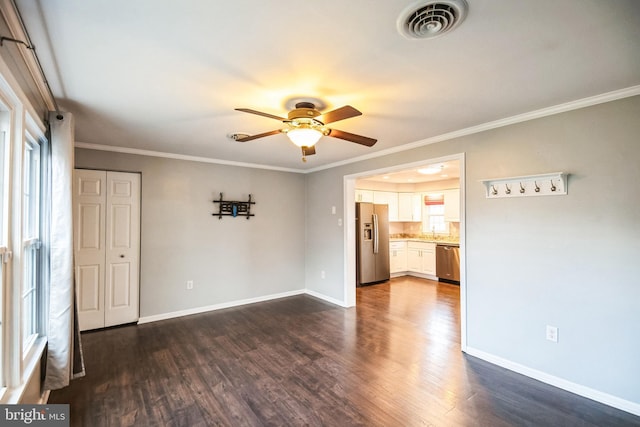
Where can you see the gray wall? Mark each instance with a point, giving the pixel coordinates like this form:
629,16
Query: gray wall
569,261
228,259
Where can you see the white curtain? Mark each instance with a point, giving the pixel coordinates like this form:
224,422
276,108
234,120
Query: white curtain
64,356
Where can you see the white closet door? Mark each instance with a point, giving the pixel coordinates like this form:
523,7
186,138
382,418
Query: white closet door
89,220
122,248
107,247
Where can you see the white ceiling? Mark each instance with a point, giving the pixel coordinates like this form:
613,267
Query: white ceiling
440,171
167,75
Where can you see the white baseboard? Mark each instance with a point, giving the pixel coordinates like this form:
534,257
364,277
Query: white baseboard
415,274
422,275
204,309
326,298
237,303
589,393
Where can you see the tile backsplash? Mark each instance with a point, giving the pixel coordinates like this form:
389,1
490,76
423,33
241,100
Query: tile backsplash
415,228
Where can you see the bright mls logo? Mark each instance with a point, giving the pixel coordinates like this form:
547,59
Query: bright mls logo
34,415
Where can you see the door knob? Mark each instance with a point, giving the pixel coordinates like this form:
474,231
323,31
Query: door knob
121,256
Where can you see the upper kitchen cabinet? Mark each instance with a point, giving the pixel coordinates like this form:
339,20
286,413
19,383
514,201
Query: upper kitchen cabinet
403,207
409,207
364,196
452,205
387,198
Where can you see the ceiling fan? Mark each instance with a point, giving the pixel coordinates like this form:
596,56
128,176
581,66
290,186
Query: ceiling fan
305,125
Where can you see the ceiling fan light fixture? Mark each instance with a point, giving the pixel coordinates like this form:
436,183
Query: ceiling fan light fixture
304,131
305,125
304,136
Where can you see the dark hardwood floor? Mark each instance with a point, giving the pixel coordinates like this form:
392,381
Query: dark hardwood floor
395,360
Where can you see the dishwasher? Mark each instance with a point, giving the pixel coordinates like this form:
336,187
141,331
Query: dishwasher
448,263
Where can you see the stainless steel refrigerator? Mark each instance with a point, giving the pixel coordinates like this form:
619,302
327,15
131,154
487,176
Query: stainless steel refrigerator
372,243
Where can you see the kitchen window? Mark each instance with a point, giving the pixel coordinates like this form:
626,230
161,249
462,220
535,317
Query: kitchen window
433,214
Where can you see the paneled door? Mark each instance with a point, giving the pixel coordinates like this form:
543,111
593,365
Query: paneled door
107,247
89,200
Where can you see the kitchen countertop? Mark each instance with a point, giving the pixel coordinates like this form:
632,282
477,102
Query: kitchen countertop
439,241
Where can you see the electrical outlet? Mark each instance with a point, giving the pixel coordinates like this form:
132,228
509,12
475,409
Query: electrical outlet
189,284
322,274
552,333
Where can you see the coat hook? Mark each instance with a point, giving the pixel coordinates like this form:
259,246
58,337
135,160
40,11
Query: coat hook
494,190
537,186
553,187
507,189
521,189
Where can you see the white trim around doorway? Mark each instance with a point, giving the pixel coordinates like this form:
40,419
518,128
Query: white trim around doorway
349,282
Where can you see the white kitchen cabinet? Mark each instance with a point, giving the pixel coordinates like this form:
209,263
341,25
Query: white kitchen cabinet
414,261
452,205
409,207
364,196
387,198
429,259
397,257
421,257
416,205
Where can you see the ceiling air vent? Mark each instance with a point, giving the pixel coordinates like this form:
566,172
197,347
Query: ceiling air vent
428,19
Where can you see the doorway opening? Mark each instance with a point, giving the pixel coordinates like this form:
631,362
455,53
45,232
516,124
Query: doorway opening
403,171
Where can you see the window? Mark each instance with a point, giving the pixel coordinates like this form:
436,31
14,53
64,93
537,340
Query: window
4,179
31,243
4,226
433,218
437,223
23,284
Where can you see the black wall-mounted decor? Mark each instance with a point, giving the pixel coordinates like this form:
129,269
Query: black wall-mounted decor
234,208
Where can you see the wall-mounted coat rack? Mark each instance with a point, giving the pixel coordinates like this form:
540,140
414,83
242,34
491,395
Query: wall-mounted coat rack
234,208
548,184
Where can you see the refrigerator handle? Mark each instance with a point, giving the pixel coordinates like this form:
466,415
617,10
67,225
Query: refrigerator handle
376,239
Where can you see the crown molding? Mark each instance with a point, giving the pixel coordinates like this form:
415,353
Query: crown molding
532,115
174,156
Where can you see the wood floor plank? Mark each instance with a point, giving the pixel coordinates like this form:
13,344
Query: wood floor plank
394,360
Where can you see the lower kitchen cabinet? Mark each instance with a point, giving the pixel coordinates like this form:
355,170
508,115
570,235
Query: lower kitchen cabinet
413,258
421,257
398,257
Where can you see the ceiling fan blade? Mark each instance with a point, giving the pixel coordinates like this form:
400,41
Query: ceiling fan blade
358,139
260,113
308,151
341,113
260,135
